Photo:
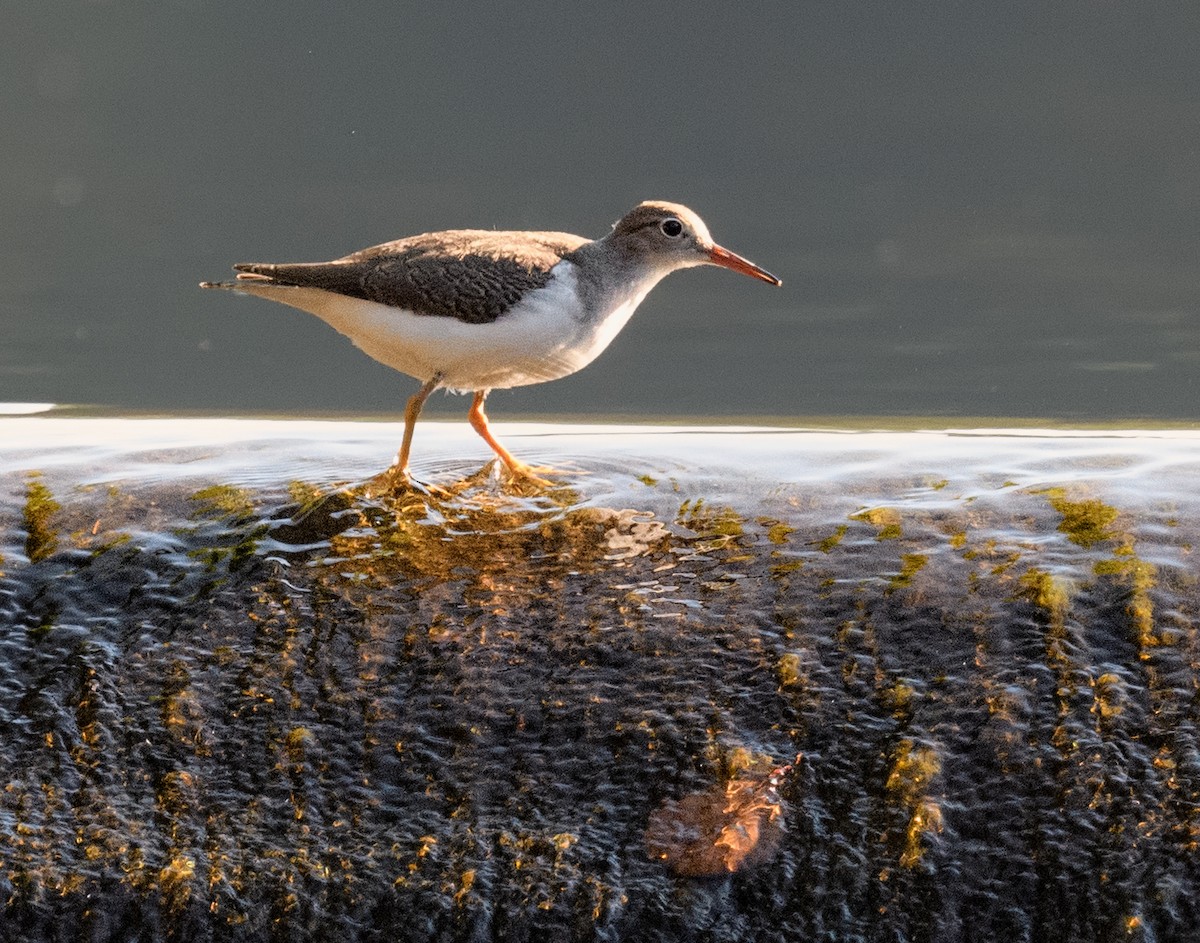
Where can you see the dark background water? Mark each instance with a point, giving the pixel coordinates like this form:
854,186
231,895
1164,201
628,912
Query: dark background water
976,209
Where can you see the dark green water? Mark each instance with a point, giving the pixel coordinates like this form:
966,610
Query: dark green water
240,703
976,209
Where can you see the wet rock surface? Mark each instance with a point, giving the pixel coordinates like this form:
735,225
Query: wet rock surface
250,707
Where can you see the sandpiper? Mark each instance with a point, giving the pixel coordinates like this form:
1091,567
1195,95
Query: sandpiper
474,310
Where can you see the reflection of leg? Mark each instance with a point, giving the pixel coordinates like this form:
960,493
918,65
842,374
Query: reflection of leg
411,412
479,423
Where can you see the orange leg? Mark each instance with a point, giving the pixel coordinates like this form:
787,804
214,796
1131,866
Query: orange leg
479,422
411,412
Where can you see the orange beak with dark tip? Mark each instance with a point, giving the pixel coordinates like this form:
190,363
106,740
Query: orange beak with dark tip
731,260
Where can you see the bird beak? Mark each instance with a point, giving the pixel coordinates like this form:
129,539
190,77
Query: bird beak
731,260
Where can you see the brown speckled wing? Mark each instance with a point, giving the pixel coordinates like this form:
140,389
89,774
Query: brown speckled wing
472,275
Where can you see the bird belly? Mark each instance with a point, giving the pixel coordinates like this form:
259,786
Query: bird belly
543,337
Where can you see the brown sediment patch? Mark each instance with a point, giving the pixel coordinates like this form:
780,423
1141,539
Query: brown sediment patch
725,829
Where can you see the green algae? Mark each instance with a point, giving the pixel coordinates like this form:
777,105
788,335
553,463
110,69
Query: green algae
41,537
910,565
1138,577
779,570
1048,591
827,544
898,698
225,520
223,502
304,493
711,522
886,519
1085,522
777,531
1110,695
1089,522
913,769
789,669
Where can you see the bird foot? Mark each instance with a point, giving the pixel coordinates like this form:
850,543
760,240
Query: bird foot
395,480
532,474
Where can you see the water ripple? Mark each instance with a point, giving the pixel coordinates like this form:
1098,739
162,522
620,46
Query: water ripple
241,697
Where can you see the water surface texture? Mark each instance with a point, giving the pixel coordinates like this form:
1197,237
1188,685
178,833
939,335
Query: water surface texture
240,701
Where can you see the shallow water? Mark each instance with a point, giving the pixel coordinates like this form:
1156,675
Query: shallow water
240,701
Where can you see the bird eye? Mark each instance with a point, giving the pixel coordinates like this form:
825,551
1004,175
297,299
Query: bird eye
671,227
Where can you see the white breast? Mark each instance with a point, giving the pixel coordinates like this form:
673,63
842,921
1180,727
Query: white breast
547,335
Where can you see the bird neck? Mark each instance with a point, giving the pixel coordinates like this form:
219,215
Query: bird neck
608,277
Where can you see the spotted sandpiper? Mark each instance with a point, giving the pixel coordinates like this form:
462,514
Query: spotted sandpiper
475,310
